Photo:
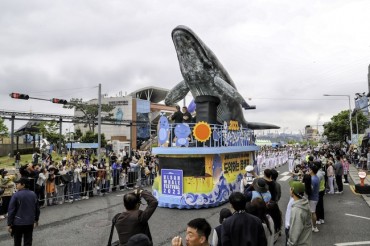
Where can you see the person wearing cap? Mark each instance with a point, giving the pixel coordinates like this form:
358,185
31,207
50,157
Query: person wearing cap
242,228
247,178
300,225
23,213
258,188
216,237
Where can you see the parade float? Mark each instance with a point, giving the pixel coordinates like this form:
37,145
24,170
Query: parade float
202,163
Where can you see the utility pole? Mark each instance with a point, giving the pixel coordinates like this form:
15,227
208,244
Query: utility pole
99,122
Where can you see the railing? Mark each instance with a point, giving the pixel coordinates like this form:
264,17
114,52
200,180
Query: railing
58,189
219,136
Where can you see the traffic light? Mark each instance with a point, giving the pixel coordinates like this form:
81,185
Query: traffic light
59,101
19,96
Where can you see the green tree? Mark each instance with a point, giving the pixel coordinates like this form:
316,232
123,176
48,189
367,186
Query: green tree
90,111
91,137
49,130
338,128
78,134
3,129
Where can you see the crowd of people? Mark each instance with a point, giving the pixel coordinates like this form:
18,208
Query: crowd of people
78,176
255,217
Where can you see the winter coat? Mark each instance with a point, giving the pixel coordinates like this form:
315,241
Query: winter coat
300,232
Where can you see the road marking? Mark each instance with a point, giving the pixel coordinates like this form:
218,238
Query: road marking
353,243
357,216
285,178
120,195
285,173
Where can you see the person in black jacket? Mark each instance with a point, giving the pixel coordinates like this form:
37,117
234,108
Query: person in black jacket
135,221
271,183
177,118
242,228
23,213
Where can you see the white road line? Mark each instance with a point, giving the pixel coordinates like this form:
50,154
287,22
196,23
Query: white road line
357,216
353,243
285,178
284,173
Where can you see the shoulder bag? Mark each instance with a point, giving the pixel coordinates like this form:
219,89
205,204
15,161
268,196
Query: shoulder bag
114,220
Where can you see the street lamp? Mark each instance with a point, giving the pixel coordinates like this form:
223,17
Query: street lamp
350,109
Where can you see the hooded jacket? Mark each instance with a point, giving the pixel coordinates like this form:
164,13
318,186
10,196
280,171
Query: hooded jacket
300,232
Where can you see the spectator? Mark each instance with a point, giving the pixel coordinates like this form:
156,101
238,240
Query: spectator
216,238
116,170
271,184
320,213
139,240
248,178
258,208
8,185
40,187
50,187
17,160
35,158
274,176
345,170
287,219
134,221
330,173
24,213
242,228
300,232
314,197
338,167
197,233
258,188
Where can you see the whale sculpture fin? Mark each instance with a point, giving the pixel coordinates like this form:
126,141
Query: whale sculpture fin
226,88
261,126
177,93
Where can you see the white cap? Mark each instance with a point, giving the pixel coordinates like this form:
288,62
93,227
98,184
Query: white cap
249,168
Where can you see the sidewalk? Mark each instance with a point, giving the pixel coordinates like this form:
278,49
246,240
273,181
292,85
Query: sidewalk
353,174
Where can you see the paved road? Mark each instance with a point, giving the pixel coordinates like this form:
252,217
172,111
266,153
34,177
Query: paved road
87,222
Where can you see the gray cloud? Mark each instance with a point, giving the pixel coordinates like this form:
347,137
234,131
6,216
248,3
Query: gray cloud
271,49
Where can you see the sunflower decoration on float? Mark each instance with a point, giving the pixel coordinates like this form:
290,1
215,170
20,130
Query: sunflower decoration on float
202,131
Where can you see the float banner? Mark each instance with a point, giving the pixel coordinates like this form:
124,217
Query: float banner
172,182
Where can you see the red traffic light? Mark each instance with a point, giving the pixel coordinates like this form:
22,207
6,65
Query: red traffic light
59,101
19,96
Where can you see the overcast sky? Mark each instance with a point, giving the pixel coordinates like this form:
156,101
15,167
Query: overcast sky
283,55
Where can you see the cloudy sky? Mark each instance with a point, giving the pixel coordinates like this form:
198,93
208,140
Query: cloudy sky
282,55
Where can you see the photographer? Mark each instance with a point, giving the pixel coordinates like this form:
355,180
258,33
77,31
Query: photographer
134,221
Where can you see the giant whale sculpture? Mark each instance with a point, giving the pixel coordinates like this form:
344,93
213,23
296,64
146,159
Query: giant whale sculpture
204,75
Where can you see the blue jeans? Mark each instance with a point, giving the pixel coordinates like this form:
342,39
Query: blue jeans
76,190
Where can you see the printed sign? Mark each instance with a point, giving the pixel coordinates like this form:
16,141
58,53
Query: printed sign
172,182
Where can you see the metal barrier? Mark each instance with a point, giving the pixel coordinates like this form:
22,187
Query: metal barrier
73,186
